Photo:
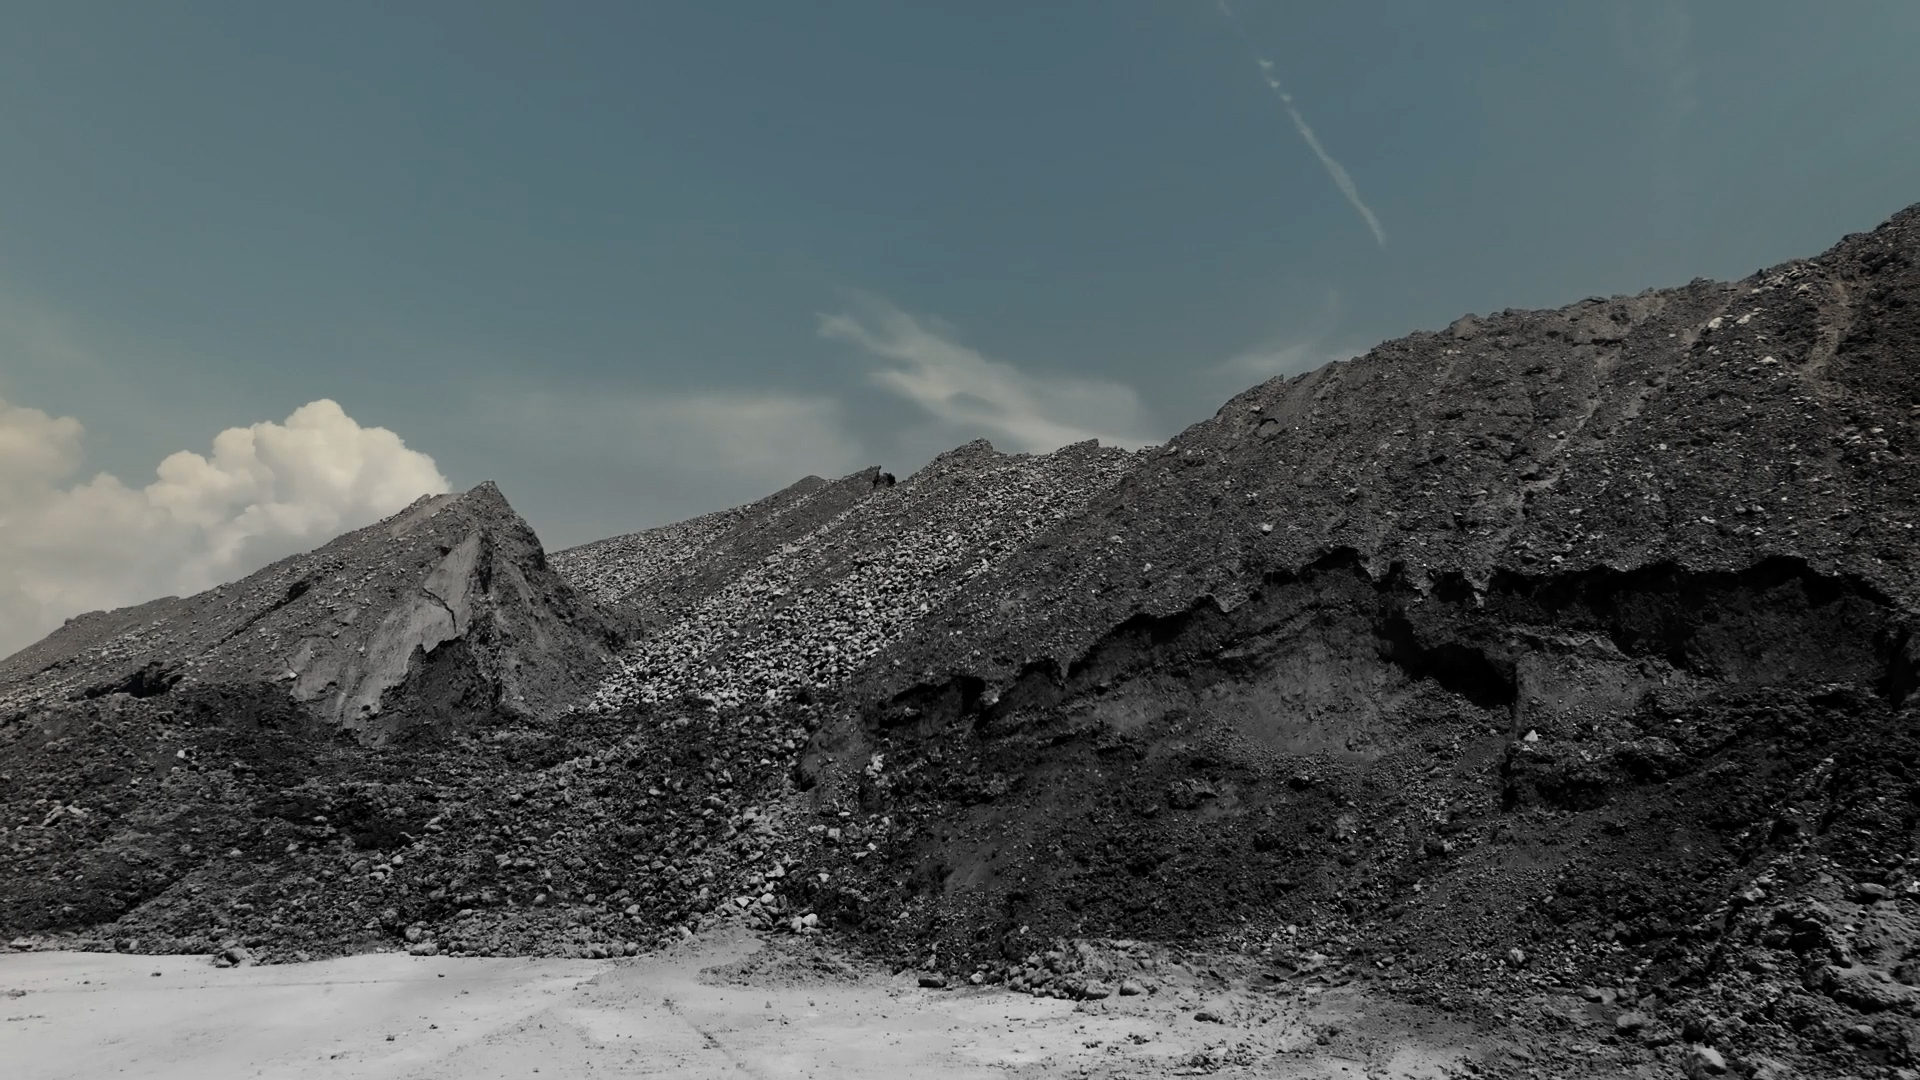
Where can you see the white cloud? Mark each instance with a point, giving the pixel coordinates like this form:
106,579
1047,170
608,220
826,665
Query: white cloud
263,492
1335,171
1282,358
979,396
1310,343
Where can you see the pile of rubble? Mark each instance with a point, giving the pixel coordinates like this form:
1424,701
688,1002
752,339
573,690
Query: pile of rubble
1555,670
812,613
446,607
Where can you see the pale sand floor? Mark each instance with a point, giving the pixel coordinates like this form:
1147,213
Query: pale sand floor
88,1015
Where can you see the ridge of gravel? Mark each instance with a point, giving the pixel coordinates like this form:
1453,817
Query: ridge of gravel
1556,669
808,615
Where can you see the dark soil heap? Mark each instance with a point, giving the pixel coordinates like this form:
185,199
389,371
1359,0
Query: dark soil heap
1557,666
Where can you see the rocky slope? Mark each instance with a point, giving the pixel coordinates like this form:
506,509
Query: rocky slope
370,633
1557,646
1555,668
805,616
1585,634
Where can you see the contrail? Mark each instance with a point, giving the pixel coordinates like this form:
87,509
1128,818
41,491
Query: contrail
1335,170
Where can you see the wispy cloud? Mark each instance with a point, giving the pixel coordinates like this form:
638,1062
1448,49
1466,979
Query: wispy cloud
1283,358
980,396
652,456
1302,350
1335,171
684,438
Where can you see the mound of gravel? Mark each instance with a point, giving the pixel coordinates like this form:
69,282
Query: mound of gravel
805,616
1556,669
446,609
1557,649
656,576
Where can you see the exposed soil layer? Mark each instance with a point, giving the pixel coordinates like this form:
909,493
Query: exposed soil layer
1555,670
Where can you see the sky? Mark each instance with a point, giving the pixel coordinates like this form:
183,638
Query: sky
267,269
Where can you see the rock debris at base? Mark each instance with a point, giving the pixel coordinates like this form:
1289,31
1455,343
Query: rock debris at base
1554,671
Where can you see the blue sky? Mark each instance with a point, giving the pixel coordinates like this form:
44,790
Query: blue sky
639,261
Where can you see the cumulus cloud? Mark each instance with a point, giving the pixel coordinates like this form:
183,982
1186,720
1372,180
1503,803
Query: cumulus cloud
71,545
987,397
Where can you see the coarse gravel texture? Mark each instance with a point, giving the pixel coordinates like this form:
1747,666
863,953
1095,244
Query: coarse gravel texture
656,576
812,612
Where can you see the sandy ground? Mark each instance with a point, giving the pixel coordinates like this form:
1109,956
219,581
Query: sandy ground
390,1015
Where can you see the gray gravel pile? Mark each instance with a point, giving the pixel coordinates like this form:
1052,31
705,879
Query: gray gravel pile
648,582
448,606
1711,426
814,611
1558,668
655,576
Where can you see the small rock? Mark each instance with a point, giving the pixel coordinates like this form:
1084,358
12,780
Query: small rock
1867,892
1864,988
1208,1016
1130,988
1705,1061
933,980
1094,990
1631,1022
1516,957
